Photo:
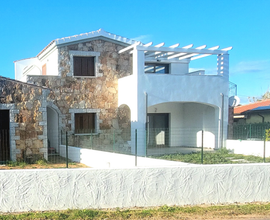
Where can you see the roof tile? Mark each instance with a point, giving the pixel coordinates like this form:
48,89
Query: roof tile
243,108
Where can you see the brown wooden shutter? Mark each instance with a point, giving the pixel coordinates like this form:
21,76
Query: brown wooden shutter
84,66
44,70
85,122
77,66
91,66
91,121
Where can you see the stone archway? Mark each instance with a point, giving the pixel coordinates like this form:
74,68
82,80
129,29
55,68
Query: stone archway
124,123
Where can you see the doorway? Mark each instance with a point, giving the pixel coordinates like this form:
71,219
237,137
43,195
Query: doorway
158,130
4,136
52,131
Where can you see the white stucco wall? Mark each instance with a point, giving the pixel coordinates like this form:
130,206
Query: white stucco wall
59,189
163,88
21,66
179,68
51,61
33,66
255,148
127,94
102,159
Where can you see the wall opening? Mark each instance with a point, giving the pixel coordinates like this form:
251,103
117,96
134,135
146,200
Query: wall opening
52,131
124,123
4,136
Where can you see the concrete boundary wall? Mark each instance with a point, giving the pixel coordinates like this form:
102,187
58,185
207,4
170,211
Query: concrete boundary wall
102,159
244,147
60,189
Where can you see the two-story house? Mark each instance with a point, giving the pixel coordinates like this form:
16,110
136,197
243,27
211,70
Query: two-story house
87,81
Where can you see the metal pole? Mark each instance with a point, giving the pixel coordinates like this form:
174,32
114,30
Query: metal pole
249,130
146,121
222,119
202,149
91,139
113,142
66,150
264,148
146,136
135,147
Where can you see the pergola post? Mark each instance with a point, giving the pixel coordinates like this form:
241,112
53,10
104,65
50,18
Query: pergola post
223,65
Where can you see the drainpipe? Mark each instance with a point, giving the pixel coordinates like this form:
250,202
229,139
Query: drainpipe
262,118
146,109
222,119
146,122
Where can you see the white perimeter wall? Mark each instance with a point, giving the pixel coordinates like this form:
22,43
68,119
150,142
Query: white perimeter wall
98,159
59,189
255,148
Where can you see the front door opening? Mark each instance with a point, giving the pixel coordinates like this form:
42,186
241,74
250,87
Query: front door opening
4,136
158,130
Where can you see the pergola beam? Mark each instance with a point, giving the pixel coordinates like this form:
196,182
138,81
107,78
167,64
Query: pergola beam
129,47
182,50
205,55
156,53
180,54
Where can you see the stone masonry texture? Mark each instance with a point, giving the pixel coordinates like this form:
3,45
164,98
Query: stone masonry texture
101,92
27,100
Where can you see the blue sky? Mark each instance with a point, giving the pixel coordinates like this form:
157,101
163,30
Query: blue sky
27,26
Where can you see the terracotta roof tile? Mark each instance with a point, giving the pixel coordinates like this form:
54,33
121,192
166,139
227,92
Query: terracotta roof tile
243,108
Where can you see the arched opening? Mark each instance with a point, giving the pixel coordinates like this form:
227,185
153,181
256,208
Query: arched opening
180,124
52,131
124,123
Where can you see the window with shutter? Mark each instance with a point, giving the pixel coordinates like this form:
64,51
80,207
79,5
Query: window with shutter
85,123
84,66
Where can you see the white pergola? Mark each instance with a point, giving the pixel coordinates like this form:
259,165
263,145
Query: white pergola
174,53
167,53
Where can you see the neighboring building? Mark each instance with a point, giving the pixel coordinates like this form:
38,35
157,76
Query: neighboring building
96,82
257,112
250,121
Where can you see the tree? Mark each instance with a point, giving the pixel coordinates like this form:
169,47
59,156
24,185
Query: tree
265,96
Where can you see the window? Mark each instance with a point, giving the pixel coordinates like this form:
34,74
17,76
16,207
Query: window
84,66
85,123
156,68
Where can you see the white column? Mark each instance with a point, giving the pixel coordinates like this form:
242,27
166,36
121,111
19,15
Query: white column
223,65
138,114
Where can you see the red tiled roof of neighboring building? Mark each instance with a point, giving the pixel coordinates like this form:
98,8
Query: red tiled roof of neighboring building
243,108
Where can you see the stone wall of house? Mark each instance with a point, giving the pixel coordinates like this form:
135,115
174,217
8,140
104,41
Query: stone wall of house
88,94
27,133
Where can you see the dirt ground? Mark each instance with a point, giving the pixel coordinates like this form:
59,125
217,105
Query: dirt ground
47,166
53,162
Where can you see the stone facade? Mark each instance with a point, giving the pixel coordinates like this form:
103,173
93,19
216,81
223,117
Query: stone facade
97,94
25,103
67,95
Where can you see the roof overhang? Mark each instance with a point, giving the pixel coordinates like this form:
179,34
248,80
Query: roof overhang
95,34
86,37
